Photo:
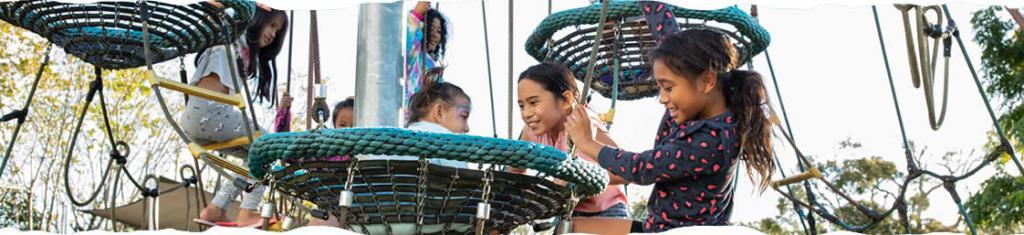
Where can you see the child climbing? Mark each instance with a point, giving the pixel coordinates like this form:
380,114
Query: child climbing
425,41
206,121
714,112
547,93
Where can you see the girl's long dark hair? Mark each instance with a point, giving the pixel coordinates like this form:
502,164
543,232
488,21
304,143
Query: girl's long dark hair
428,25
696,51
263,64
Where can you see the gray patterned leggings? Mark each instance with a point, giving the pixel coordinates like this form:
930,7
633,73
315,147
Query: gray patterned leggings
208,122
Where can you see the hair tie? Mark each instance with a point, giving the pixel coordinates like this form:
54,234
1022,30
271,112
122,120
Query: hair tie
725,76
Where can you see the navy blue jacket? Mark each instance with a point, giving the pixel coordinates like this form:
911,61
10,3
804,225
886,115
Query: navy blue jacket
691,167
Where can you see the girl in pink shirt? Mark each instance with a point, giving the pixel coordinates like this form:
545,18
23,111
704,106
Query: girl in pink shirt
547,92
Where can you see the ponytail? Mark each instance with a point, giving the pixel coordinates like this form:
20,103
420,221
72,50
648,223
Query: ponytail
744,93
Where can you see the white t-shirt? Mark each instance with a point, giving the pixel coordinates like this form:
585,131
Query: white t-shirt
215,61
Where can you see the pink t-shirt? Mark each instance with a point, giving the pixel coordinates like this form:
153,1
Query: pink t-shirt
612,195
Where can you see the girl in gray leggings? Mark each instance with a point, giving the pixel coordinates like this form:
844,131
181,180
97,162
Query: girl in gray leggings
206,121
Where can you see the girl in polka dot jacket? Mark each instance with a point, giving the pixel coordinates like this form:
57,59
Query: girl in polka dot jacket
713,112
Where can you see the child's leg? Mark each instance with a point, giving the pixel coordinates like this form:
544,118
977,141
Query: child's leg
210,122
216,211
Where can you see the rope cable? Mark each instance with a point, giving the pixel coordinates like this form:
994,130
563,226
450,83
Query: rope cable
23,113
490,80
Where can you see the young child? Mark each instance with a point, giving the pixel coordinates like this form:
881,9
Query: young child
440,107
343,113
207,121
425,42
714,111
342,118
547,93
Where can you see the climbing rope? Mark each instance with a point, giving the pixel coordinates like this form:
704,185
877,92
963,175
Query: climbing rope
807,223
926,71
316,107
914,171
22,113
1004,142
490,81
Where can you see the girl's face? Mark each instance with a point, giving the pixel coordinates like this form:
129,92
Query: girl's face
454,117
435,34
269,31
684,97
541,110
343,119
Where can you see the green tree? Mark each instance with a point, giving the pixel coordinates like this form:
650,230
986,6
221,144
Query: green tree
1002,60
36,161
874,183
996,207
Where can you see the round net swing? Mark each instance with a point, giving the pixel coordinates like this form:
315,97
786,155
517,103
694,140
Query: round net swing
124,35
413,196
109,35
568,36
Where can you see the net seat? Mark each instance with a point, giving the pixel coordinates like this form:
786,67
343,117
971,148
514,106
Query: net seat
568,36
414,196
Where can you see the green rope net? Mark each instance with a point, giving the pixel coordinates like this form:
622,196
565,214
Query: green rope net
588,178
629,39
109,35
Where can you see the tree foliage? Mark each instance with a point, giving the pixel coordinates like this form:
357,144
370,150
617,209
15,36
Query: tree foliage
42,144
1002,59
874,183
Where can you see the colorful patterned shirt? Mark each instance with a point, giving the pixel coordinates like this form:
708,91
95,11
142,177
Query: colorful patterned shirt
691,167
417,61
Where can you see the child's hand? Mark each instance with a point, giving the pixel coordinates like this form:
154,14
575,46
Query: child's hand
421,7
577,124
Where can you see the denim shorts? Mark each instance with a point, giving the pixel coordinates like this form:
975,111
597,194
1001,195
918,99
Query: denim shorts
615,211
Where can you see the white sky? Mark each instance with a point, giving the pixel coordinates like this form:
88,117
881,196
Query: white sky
827,58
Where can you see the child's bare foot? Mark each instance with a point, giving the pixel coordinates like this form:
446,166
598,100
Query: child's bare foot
213,213
248,217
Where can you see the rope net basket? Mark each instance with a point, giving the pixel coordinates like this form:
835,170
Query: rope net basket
567,37
109,35
413,196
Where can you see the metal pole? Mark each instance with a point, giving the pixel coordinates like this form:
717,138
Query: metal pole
511,32
379,65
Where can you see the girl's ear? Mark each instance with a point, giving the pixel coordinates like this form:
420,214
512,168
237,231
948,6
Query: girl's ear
570,99
709,80
437,112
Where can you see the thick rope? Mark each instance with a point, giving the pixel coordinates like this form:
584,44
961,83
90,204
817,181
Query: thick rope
602,20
